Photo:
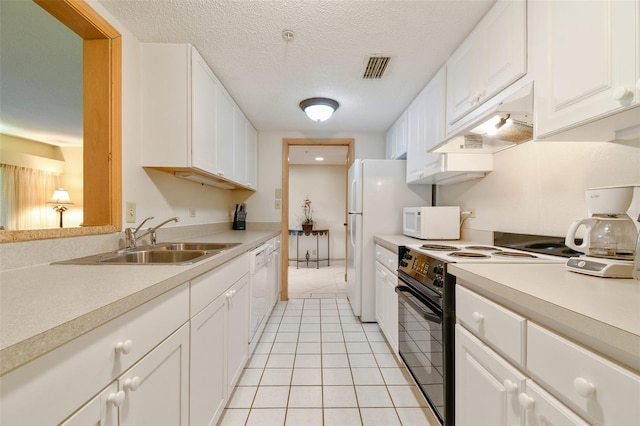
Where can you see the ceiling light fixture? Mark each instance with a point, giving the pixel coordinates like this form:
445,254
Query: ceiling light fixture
319,109
319,158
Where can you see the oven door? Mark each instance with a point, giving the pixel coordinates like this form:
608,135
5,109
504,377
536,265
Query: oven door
420,340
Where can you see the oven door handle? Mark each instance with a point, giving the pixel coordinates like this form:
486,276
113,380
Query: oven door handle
426,315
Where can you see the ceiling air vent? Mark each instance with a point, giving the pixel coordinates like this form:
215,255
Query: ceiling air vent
375,67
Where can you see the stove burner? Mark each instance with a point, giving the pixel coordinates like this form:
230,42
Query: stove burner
513,254
468,254
438,247
482,248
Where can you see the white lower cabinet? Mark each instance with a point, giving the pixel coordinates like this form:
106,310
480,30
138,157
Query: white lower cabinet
386,298
141,343
157,387
556,382
219,338
487,386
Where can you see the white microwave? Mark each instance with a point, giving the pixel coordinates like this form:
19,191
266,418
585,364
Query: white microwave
432,223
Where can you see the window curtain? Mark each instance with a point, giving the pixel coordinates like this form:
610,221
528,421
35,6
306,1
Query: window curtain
25,193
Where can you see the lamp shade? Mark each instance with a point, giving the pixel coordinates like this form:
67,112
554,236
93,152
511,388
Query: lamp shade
60,197
319,109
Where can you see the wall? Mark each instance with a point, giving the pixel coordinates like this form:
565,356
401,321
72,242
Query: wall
367,145
162,195
326,187
538,187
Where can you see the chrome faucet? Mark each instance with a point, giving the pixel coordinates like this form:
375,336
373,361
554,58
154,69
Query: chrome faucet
133,237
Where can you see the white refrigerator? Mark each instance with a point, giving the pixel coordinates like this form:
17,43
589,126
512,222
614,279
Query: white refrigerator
377,193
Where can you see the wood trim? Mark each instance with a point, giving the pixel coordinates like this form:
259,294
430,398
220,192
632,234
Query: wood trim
102,115
284,240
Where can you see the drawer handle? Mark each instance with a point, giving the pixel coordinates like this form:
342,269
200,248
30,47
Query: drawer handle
132,384
584,387
124,347
116,398
509,386
477,317
526,402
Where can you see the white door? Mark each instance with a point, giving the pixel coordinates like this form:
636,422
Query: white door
487,387
203,114
586,54
208,351
354,246
157,387
238,329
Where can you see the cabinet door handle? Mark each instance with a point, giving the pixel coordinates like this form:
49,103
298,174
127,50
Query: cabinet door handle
584,388
116,398
124,347
620,93
509,386
477,317
526,402
132,384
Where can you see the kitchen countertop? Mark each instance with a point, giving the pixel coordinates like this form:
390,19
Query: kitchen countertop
602,313
45,306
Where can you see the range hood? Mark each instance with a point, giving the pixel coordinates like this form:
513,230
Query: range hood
503,123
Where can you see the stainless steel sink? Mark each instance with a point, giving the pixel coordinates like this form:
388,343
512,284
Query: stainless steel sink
161,254
196,246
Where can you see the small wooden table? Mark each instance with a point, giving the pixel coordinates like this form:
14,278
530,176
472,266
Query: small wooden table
307,258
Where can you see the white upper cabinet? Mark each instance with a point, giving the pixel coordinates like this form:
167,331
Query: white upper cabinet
396,140
225,160
491,58
426,128
587,63
204,88
252,157
189,119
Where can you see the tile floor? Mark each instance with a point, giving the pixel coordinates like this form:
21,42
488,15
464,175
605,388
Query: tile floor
316,364
325,281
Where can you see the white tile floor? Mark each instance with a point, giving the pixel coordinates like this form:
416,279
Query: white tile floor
316,364
325,281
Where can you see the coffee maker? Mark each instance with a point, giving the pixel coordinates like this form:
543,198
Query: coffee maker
610,234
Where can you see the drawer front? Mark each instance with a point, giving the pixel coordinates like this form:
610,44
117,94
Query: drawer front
388,258
597,389
208,286
62,380
500,328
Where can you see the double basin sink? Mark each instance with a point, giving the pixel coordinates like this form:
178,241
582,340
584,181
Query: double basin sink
160,254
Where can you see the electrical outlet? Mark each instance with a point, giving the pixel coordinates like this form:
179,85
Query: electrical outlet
278,204
313,252
192,212
130,212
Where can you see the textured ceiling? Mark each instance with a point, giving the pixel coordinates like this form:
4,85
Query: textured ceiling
268,76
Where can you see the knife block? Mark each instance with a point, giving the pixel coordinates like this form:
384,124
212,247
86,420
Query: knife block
239,221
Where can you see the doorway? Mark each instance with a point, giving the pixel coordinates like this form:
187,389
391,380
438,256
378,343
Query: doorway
292,214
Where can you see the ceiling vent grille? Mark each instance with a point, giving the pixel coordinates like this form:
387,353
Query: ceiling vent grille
375,67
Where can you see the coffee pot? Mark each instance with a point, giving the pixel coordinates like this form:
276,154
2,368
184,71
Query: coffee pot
609,235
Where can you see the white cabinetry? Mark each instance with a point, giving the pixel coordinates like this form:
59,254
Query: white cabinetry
132,345
189,119
426,128
487,387
386,298
396,139
219,337
556,382
252,157
587,64
491,58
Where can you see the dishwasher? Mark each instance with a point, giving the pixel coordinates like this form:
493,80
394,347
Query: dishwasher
258,280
